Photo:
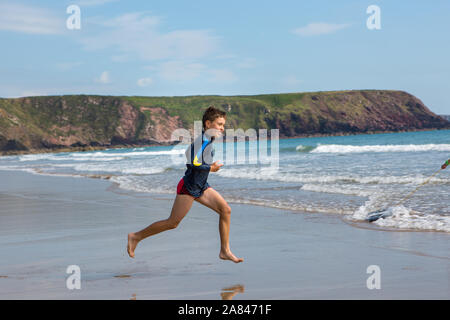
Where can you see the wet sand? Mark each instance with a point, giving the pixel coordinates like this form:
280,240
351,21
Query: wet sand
48,223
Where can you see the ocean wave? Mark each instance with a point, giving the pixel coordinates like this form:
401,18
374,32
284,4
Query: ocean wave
18,168
299,207
337,148
302,148
97,156
400,217
336,189
86,157
132,154
272,174
403,218
119,168
35,157
139,185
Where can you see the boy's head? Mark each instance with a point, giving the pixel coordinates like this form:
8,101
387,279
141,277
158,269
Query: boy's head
214,118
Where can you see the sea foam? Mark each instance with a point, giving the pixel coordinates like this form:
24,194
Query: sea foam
337,148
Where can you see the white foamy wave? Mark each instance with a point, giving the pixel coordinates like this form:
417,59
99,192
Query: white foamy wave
94,159
269,173
39,171
139,185
70,157
290,206
337,148
142,153
417,179
35,157
139,171
118,168
93,155
403,218
98,156
17,168
337,189
303,148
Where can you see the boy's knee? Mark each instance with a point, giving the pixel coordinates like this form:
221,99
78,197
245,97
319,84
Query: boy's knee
172,224
226,210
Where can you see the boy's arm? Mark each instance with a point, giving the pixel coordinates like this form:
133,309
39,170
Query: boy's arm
196,159
196,162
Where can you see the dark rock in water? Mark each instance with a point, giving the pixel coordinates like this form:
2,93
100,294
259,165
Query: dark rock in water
374,216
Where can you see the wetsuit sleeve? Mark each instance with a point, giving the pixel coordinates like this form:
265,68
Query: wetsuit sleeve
197,160
198,157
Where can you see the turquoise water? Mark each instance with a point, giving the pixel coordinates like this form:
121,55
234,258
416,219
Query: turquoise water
346,175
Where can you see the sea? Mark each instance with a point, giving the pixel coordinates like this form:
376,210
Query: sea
350,176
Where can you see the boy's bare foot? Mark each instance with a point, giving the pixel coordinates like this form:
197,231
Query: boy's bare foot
228,255
132,243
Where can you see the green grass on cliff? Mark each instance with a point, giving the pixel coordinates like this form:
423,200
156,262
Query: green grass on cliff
97,118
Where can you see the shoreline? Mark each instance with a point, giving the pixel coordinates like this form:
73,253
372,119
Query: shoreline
172,143
344,217
49,223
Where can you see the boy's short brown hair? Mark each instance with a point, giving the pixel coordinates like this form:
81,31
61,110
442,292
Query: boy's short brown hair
212,113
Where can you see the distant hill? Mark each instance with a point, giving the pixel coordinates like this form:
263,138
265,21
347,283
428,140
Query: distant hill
80,122
446,117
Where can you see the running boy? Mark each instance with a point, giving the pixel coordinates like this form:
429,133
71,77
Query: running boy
194,186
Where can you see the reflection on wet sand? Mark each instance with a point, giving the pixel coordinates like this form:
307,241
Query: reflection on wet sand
229,293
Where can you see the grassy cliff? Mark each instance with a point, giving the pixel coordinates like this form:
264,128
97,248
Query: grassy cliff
34,124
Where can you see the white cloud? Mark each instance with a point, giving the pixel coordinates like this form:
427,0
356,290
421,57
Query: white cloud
137,35
183,71
247,63
222,76
318,28
91,3
290,82
120,58
180,71
28,19
65,66
226,56
104,78
144,82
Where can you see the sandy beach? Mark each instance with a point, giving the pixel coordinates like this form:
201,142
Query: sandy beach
48,223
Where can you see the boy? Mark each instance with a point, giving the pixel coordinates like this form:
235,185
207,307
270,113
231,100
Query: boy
194,186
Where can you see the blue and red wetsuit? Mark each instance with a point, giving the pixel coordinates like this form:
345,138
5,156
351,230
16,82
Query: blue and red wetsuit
199,157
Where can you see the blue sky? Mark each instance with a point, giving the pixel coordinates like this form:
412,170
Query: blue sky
167,48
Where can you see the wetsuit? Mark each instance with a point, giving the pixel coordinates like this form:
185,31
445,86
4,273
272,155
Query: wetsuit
199,157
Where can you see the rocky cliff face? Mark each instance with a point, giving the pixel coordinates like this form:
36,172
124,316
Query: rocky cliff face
356,112
36,124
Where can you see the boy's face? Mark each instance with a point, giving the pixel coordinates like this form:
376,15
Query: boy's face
217,126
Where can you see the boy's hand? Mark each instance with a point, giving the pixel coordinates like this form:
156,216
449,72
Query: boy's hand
215,166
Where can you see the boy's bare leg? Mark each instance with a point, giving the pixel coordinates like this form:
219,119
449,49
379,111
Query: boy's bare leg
180,208
212,199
